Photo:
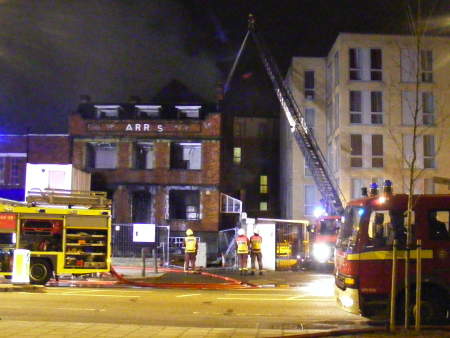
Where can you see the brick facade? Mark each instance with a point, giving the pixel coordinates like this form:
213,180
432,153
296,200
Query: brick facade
125,179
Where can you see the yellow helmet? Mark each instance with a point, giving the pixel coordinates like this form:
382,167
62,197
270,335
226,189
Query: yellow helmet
189,232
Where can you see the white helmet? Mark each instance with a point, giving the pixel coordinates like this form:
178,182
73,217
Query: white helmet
189,232
256,230
241,232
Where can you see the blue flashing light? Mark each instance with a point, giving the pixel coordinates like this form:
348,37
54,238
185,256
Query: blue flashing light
374,186
361,212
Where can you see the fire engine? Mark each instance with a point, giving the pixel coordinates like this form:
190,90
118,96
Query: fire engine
364,252
323,235
67,232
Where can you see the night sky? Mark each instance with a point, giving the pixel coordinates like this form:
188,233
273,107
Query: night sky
53,51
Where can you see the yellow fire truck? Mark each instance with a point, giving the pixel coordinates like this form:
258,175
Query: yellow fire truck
67,232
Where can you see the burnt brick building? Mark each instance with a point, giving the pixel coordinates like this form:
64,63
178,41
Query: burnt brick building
160,163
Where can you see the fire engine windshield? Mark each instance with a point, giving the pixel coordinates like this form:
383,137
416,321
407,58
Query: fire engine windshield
328,227
349,229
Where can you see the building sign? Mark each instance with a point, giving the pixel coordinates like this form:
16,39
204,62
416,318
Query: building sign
8,222
145,127
144,233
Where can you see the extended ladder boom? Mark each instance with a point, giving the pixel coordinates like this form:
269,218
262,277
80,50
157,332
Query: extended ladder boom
331,195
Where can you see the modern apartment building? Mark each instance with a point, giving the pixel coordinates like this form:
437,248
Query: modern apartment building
360,101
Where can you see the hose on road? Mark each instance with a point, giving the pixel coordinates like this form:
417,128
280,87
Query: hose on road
232,283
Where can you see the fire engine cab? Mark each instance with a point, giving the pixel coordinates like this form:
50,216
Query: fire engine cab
67,232
364,253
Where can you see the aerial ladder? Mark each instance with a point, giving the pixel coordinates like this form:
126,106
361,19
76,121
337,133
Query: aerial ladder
332,197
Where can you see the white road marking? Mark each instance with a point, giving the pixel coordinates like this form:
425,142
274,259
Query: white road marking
253,294
88,295
79,309
188,295
325,299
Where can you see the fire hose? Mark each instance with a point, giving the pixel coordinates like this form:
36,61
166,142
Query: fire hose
231,282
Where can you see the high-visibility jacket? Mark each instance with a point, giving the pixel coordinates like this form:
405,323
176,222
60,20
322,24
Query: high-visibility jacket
242,244
256,242
190,244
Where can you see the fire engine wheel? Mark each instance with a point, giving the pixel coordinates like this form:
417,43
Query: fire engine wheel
40,271
433,309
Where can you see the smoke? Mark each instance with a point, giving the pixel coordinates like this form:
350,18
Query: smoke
53,51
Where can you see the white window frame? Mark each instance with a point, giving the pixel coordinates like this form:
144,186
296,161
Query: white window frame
309,204
352,97
376,115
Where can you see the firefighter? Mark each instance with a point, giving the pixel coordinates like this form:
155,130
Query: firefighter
255,251
190,250
242,246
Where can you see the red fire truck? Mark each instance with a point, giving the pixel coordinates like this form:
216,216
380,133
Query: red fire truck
323,235
364,253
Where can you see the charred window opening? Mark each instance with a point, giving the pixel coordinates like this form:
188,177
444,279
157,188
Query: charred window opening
101,156
141,211
144,155
186,156
184,204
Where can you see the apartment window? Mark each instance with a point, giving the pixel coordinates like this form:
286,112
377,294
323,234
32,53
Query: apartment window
425,107
355,107
375,65
428,151
428,108
186,156
336,69
377,151
308,171
141,207
309,85
356,185
237,155
144,155
263,185
310,116
102,155
2,170
310,199
184,204
355,64
356,152
428,186
376,107
263,206
426,59
409,65
239,129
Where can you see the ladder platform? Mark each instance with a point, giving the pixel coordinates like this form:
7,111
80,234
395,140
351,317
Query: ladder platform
91,199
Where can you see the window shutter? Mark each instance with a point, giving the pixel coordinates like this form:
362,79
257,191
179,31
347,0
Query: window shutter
408,65
408,107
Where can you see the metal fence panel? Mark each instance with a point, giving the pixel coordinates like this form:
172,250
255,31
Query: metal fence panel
123,245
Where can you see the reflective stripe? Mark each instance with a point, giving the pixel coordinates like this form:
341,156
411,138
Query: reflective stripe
387,255
190,244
